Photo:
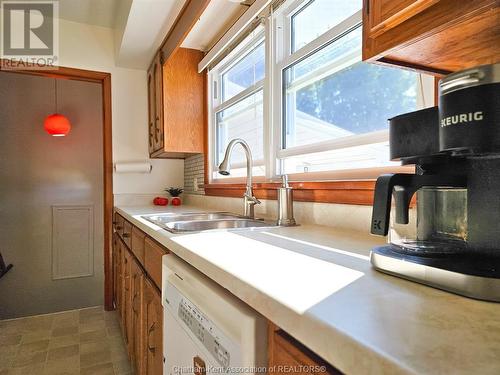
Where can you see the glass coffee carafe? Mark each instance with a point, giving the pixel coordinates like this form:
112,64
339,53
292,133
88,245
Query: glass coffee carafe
437,225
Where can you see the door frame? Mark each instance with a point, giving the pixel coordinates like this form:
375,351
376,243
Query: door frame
104,79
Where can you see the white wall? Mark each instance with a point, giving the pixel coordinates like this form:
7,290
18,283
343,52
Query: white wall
92,47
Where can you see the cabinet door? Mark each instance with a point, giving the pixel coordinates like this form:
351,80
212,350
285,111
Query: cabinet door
151,109
119,276
153,329
387,14
158,102
285,353
114,259
127,300
438,36
137,286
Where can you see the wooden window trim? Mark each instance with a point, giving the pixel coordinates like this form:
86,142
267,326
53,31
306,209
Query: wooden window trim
342,192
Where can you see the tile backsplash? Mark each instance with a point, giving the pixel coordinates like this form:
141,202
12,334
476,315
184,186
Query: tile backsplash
194,172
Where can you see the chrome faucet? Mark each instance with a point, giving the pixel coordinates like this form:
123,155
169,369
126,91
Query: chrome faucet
249,199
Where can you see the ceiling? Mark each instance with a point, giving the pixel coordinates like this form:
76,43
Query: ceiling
141,25
93,12
146,24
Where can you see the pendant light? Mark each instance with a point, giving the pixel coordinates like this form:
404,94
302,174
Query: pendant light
57,125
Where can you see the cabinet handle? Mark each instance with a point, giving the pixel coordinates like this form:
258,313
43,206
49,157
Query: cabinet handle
199,366
133,304
157,131
152,349
126,235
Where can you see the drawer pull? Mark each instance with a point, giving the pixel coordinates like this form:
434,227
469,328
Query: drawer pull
151,329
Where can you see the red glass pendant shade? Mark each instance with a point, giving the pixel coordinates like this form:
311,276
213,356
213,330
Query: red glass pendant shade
57,125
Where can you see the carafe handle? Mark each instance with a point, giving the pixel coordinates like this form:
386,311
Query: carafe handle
407,184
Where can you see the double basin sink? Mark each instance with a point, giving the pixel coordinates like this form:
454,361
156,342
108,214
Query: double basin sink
200,222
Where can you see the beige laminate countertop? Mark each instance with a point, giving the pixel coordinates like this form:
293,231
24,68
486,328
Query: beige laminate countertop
317,284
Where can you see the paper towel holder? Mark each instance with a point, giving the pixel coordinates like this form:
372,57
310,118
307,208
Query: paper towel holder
133,167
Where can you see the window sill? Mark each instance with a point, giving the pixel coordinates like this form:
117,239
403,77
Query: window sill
341,192
356,190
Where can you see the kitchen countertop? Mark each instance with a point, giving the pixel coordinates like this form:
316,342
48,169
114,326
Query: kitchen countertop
317,284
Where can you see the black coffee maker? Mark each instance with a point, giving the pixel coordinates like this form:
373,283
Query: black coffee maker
452,241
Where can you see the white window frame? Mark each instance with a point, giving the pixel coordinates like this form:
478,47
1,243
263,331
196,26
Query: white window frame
277,39
215,104
284,58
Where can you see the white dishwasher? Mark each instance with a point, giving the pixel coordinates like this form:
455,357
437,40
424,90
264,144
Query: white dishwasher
207,330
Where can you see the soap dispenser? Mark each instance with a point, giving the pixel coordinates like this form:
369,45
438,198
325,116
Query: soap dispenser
285,204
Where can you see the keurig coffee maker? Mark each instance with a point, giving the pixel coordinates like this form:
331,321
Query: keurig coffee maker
453,240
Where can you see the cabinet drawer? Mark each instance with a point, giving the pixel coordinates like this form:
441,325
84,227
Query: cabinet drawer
118,223
152,260
285,351
127,233
137,246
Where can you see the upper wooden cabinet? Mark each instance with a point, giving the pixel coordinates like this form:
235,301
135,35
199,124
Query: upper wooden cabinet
176,105
440,36
155,105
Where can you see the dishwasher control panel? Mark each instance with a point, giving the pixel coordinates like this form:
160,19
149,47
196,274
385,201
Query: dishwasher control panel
200,327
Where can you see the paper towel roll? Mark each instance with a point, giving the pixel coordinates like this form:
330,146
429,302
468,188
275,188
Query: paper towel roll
133,167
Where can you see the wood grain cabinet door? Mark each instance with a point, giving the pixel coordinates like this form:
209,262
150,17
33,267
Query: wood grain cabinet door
437,36
127,300
114,267
119,275
158,102
153,329
286,355
151,109
137,326
383,15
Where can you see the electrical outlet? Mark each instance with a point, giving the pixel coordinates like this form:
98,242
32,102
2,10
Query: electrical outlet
195,184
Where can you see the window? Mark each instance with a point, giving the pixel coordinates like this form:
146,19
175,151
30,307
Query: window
315,106
238,81
332,107
317,17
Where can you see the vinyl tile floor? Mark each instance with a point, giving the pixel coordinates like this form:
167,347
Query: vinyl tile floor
87,341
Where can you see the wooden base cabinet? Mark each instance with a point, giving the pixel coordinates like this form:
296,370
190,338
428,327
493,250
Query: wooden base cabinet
153,329
127,300
288,356
137,298
137,347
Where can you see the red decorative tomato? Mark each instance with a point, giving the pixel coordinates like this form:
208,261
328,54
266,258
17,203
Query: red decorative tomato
176,201
160,201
